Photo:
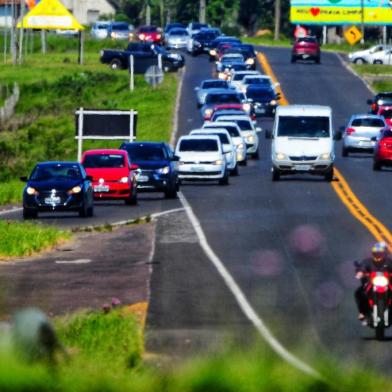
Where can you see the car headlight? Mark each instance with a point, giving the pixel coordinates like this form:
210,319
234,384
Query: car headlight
163,170
174,56
31,191
75,189
325,156
158,36
142,36
222,75
124,180
196,43
250,61
208,112
240,145
212,52
273,102
280,156
246,107
250,139
218,162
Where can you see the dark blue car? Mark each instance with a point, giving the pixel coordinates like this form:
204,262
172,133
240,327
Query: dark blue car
158,167
57,186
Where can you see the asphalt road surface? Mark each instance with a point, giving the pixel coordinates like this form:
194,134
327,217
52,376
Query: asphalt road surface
289,245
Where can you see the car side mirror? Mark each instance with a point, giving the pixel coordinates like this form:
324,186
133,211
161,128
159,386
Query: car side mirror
337,135
133,166
268,134
226,148
89,178
23,179
276,84
175,158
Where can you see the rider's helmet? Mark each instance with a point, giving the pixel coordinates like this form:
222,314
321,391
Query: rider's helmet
379,252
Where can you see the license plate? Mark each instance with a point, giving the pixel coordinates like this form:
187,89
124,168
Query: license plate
52,200
366,143
260,110
197,168
142,179
101,188
302,167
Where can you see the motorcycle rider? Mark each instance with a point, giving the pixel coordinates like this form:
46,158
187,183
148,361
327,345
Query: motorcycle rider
380,262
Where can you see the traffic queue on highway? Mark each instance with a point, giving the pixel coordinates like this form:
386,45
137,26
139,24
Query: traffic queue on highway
229,105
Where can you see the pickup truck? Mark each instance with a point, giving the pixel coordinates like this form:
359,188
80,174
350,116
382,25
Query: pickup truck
144,54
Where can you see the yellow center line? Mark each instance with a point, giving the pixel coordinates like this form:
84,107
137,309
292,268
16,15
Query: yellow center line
340,186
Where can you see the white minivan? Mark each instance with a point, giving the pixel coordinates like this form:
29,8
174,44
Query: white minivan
303,141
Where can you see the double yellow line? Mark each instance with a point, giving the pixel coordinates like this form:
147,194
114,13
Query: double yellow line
340,185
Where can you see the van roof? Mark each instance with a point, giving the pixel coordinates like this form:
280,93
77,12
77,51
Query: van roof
303,110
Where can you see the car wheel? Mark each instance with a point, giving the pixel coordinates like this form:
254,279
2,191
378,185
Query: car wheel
244,162
359,61
132,199
115,64
235,172
378,62
225,179
83,211
171,193
293,60
275,174
29,213
90,211
317,60
344,152
376,166
329,175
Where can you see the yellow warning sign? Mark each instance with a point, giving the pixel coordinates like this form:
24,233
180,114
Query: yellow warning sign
352,35
50,15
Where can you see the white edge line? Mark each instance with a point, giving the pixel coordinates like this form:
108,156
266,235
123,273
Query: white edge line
10,211
239,296
177,109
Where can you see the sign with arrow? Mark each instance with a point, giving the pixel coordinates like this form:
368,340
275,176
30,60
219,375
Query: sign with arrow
352,35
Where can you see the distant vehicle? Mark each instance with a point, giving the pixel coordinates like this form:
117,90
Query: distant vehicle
246,108
384,57
263,98
149,34
200,42
120,30
213,53
227,113
228,146
208,85
361,133
256,80
202,159
57,186
171,26
380,99
366,55
248,132
303,141
306,48
238,76
247,52
119,59
228,60
195,27
177,38
113,175
158,167
99,30
383,150
235,133
386,112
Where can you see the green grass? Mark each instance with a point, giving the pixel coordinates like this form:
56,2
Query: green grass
23,239
10,192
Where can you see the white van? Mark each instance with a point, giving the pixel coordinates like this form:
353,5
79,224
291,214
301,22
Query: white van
303,141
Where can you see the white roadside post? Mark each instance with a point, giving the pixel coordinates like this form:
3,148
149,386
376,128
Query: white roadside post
160,61
131,73
80,134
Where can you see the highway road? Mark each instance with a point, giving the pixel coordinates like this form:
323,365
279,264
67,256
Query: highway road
289,245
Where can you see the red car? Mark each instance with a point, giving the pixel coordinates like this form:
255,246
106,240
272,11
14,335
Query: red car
383,150
150,33
114,176
386,112
306,48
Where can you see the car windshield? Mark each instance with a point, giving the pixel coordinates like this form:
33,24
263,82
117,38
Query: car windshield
387,133
232,57
238,77
261,81
222,98
233,131
178,32
304,126
56,171
198,26
243,124
368,122
148,29
122,27
199,145
260,94
307,39
387,113
140,153
92,161
214,84
204,36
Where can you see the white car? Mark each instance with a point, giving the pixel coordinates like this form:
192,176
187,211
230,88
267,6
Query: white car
248,132
177,38
361,132
384,57
367,55
251,80
235,133
303,141
99,30
228,146
201,158
236,77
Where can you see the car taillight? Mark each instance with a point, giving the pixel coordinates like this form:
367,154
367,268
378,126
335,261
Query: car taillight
350,131
374,106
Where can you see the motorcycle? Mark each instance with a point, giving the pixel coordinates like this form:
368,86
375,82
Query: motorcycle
378,290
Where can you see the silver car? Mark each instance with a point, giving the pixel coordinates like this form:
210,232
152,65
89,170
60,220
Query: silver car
99,30
177,38
361,132
206,86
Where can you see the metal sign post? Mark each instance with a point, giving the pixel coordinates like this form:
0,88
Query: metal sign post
131,73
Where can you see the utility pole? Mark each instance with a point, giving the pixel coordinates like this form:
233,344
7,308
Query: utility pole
21,31
277,20
5,31
362,22
162,12
148,13
202,11
13,32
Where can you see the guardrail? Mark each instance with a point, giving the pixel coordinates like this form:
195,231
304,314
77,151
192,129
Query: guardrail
8,109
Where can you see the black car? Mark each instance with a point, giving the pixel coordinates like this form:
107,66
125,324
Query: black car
264,99
57,186
383,98
145,54
158,168
247,52
201,42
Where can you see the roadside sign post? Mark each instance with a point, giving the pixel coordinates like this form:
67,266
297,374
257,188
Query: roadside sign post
353,35
131,73
104,125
